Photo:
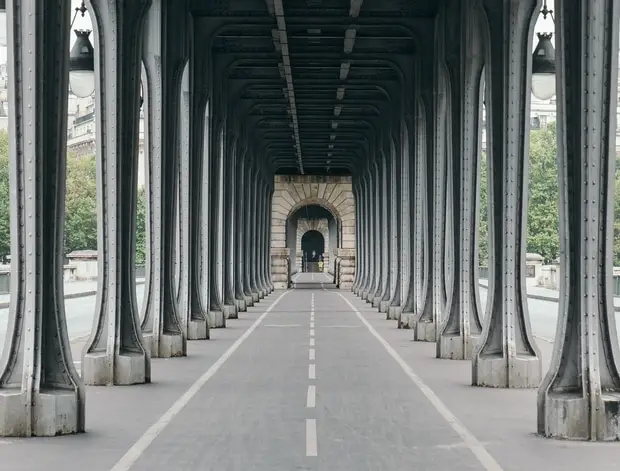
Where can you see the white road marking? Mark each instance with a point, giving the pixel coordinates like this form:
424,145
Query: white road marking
311,371
312,342
311,397
311,442
474,445
311,354
138,448
311,332
312,325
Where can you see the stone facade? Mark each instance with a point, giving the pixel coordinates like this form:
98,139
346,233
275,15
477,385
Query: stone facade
292,192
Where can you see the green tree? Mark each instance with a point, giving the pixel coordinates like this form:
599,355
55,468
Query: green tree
617,214
5,226
81,204
141,227
483,209
543,213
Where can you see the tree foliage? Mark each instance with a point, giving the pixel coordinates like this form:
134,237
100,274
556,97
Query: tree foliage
81,204
5,227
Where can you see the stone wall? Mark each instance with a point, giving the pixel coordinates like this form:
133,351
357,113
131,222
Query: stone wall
292,192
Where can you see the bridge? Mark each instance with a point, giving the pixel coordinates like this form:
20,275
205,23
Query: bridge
338,135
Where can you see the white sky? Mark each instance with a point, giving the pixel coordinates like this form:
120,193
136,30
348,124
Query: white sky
542,25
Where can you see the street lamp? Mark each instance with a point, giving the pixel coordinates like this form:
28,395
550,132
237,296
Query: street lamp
82,61
543,63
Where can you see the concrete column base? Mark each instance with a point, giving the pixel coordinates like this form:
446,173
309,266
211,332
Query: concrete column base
569,416
197,330
376,302
262,294
424,332
127,369
364,296
456,347
217,320
241,305
55,412
170,346
384,306
406,320
255,297
501,372
230,311
393,312
249,301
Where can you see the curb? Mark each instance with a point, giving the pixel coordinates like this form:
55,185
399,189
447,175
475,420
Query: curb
83,294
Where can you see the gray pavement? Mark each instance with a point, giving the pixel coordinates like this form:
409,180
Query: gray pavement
244,401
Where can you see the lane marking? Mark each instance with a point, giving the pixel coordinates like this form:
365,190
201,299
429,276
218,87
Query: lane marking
138,448
311,371
312,342
311,397
311,443
312,325
311,332
311,354
474,445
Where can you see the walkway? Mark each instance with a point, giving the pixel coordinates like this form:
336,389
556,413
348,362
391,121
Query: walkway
246,401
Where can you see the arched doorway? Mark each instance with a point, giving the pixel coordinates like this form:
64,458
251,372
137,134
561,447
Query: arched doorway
312,247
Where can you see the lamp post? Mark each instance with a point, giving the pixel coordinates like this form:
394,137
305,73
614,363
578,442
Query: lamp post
82,61
543,62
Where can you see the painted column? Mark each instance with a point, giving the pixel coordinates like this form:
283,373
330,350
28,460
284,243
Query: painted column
247,215
367,228
359,252
580,395
270,193
507,355
433,184
386,204
115,352
229,188
461,325
41,394
264,240
240,230
393,309
380,231
200,63
161,326
374,231
254,195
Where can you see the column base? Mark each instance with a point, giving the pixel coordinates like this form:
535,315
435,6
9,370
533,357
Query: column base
249,301
230,311
241,305
55,412
217,320
262,294
197,330
170,345
255,297
384,306
569,416
497,371
406,320
127,369
424,332
393,312
455,347
368,297
376,302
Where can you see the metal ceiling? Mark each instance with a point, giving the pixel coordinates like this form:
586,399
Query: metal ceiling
316,82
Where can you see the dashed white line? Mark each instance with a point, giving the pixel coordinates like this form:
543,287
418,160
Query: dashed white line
312,325
311,354
311,442
311,397
474,445
138,448
311,371
311,332
312,342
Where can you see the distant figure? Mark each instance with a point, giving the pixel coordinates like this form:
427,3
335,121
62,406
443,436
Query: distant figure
320,265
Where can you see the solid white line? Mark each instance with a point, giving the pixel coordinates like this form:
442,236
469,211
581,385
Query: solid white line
311,397
312,325
311,332
312,342
138,448
311,442
311,354
468,438
311,371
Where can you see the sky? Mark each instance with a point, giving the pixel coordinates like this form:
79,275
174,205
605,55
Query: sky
542,25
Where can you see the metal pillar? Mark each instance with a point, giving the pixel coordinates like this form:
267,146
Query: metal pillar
253,234
262,237
40,392
382,275
247,224
229,187
580,395
461,326
433,167
239,256
507,355
161,326
115,352
395,194
375,230
270,192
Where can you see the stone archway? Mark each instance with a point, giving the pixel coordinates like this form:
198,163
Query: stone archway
292,192
306,225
